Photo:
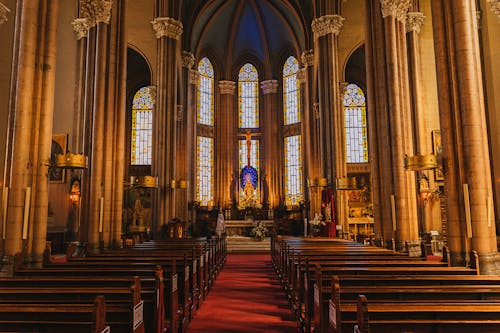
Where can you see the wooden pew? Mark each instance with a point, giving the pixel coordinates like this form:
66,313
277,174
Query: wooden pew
54,318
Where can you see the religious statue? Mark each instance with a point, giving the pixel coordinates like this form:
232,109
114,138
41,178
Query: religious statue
138,214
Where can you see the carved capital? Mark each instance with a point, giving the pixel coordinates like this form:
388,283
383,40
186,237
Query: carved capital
227,87
414,21
343,88
194,76
3,13
307,58
327,24
302,75
81,26
269,87
167,27
152,91
495,7
96,11
395,8
187,59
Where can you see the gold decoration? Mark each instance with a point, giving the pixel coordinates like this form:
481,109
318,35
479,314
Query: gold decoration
327,24
347,183
144,181
167,27
71,161
420,162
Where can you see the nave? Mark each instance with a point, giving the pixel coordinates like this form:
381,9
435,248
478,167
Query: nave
246,298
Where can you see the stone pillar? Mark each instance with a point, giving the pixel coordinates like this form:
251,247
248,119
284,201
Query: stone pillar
326,29
273,143
464,135
310,133
184,137
400,129
21,106
192,82
4,11
168,32
226,143
45,119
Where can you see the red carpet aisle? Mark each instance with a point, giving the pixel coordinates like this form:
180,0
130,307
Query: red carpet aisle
246,297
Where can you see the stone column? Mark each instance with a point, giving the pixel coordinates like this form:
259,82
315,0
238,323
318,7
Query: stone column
4,11
326,29
400,129
226,143
192,82
21,111
184,138
168,32
45,119
464,139
310,133
273,142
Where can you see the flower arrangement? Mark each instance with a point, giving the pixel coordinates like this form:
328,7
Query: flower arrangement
258,231
316,224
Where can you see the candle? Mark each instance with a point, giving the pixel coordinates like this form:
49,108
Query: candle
27,200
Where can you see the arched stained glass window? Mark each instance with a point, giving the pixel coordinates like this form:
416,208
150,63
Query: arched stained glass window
291,91
204,170
254,161
205,98
293,170
142,128
248,94
355,124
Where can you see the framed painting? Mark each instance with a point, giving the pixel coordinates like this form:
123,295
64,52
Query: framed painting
59,146
437,149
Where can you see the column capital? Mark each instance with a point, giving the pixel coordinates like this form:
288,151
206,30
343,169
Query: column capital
495,7
167,27
96,11
302,75
343,87
187,59
414,21
307,58
81,26
194,76
396,8
269,87
3,13
227,87
327,24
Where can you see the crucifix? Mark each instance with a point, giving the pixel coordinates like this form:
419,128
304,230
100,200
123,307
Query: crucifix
248,137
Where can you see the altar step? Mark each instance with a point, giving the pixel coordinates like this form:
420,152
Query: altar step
248,245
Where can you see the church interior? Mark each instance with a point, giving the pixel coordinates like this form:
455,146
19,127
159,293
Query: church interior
336,129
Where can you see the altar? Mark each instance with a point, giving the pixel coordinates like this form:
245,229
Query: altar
243,227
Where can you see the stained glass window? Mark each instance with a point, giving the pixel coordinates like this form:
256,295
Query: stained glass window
204,170
205,93
254,160
293,170
248,94
291,91
355,124
142,128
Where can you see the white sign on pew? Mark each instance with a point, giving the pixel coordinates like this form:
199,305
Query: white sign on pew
316,294
332,314
186,273
138,314
356,329
106,329
194,266
174,283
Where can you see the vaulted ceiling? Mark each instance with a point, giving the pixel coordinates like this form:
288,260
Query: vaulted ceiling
234,31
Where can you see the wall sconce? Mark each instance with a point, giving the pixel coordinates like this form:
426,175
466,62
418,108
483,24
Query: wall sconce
74,194
71,161
144,181
346,183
